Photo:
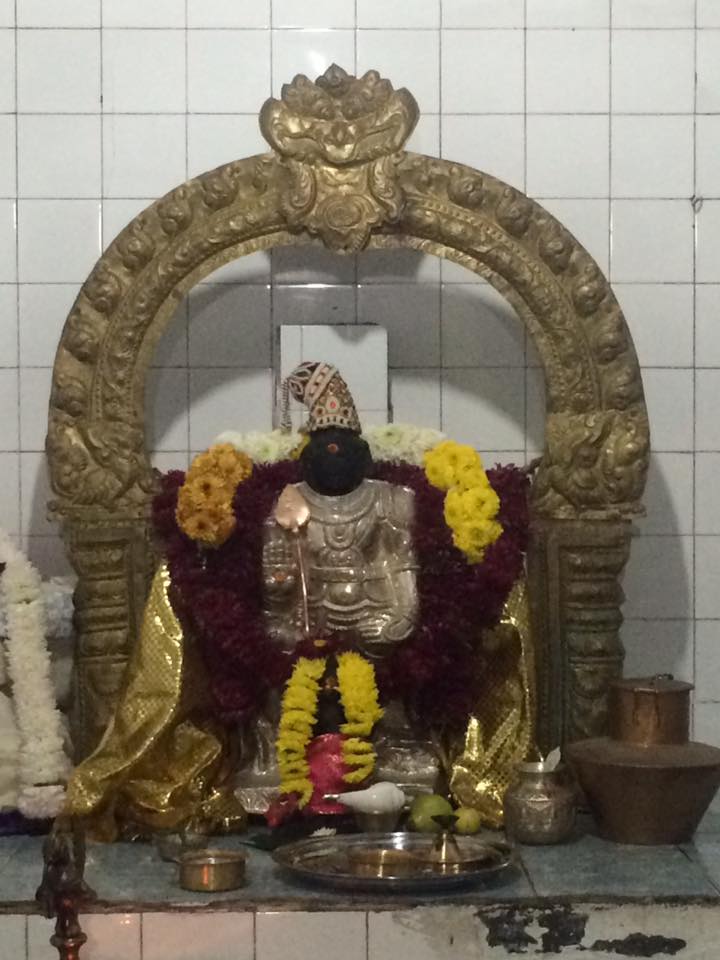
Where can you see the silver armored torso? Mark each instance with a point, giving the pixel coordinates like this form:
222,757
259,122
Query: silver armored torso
360,568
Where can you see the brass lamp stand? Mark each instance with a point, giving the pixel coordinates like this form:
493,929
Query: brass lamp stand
63,891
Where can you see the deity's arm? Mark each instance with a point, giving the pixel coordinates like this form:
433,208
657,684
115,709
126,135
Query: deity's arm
279,561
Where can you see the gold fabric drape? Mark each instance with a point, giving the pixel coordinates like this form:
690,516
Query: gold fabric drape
163,762
501,731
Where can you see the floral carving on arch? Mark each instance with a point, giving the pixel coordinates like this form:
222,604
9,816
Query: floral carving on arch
338,174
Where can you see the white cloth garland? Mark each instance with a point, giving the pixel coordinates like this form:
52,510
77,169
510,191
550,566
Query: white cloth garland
43,766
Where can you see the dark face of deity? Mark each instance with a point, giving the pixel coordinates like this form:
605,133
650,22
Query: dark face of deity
335,461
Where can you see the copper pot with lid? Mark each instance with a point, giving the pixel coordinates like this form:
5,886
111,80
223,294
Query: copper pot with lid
646,783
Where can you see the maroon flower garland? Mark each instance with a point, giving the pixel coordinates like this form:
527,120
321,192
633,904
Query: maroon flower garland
437,671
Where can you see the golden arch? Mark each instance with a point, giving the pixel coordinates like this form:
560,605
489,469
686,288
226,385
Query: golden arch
338,172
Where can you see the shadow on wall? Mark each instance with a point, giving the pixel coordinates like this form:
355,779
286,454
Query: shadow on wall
460,360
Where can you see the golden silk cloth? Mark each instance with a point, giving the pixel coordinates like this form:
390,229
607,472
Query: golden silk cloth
163,761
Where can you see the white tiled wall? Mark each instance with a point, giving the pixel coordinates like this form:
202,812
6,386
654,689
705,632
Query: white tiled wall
608,111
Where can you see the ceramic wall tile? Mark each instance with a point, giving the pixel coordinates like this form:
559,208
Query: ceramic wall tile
410,314
58,240
73,55
138,13
166,405
198,936
707,501
8,241
230,326
150,171
314,304
215,139
707,723
72,168
707,659
425,138
43,310
708,150
34,401
568,13
567,71
114,936
668,496
653,71
535,411
411,58
298,265
310,52
396,13
7,13
707,427
117,214
568,156
7,70
652,156
12,937
8,325
228,13
658,578
144,71
482,13
472,61
320,14
658,646
226,399
707,564
480,328
9,400
708,71
707,330
660,318
708,241
302,936
652,241
708,13
35,493
669,398
415,396
8,146
228,70
253,268
73,13
10,522
485,408
653,13
446,933
39,931
492,143
49,555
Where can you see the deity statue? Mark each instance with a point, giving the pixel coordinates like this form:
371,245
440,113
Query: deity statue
318,626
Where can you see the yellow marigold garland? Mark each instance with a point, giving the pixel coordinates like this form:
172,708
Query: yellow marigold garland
471,505
204,508
359,697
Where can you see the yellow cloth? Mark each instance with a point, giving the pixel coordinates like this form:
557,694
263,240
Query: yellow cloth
163,762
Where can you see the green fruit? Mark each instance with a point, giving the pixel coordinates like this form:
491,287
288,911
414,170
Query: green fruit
468,820
424,808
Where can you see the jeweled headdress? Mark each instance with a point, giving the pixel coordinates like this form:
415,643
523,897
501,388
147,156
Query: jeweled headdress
324,392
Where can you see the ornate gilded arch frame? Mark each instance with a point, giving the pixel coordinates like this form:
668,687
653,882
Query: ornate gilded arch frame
338,174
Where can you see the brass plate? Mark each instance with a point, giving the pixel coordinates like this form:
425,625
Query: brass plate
403,861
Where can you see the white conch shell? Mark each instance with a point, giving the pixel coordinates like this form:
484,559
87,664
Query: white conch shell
379,798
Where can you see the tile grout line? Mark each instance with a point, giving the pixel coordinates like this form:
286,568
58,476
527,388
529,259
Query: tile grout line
441,274
693,561
187,311
526,332
19,497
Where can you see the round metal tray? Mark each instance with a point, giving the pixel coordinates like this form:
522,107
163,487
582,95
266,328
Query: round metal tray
338,861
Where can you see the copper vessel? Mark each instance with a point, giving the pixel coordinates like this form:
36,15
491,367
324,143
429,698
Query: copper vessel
647,783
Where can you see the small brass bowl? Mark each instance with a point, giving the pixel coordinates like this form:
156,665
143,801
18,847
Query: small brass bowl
385,822
212,871
382,862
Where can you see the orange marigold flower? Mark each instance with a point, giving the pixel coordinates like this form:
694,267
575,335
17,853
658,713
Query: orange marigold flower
222,461
211,526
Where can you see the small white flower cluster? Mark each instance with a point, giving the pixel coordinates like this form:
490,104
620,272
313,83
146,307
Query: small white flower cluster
395,441
43,765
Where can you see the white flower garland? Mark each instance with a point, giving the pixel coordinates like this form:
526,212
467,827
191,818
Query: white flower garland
394,441
43,766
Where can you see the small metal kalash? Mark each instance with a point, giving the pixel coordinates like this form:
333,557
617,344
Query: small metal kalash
646,783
